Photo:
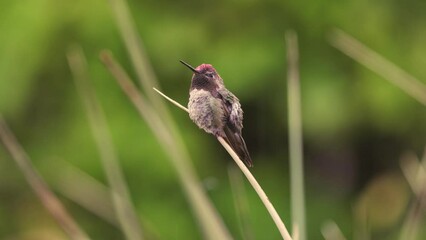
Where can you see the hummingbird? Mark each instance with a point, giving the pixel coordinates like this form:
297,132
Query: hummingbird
215,109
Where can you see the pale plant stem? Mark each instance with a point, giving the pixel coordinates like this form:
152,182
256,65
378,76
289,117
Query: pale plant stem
295,138
295,231
37,183
120,196
262,195
171,100
378,64
208,218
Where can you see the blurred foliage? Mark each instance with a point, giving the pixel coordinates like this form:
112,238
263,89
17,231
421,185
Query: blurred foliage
356,124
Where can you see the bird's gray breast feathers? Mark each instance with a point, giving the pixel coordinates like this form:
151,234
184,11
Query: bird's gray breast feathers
206,111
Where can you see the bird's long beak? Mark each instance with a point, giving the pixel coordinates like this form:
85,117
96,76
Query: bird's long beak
189,66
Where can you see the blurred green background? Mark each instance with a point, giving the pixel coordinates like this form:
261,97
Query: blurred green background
356,125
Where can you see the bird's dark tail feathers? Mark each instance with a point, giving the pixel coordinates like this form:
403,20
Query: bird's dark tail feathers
236,141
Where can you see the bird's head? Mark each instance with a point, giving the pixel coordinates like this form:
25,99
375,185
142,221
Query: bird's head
205,77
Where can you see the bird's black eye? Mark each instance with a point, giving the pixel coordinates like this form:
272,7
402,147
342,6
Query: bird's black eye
210,75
